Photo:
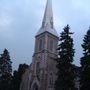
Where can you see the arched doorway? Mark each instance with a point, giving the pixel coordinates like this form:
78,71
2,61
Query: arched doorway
35,87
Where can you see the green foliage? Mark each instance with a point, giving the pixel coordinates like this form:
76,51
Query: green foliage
5,71
65,74
17,76
85,63
7,81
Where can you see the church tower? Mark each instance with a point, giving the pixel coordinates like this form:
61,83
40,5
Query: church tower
41,74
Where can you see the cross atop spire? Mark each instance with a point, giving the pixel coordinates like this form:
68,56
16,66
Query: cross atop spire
48,15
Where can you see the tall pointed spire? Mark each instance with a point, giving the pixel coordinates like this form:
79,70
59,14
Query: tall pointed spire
47,23
48,15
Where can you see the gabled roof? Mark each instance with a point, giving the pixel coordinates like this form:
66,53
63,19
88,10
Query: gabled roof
52,31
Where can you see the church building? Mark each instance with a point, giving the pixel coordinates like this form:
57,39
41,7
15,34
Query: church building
41,74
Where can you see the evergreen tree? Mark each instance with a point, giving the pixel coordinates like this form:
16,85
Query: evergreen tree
65,74
17,76
85,63
5,71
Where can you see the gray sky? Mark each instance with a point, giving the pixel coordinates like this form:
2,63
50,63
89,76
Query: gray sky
21,19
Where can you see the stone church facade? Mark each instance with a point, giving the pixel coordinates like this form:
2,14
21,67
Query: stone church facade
41,74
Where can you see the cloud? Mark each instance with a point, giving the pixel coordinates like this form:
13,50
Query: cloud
5,20
59,23
21,19
82,5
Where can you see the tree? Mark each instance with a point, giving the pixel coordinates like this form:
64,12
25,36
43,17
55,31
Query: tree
85,63
5,71
17,76
65,74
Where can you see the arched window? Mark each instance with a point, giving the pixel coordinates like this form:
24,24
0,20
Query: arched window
40,44
35,87
51,80
38,68
51,45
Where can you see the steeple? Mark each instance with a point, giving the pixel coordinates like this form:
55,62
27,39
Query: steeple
41,74
47,23
48,15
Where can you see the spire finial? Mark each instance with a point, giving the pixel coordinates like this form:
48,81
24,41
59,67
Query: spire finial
48,15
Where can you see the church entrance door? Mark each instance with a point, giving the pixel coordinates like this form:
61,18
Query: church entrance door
35,87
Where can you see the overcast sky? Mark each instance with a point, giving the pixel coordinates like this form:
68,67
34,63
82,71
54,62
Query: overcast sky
21,19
